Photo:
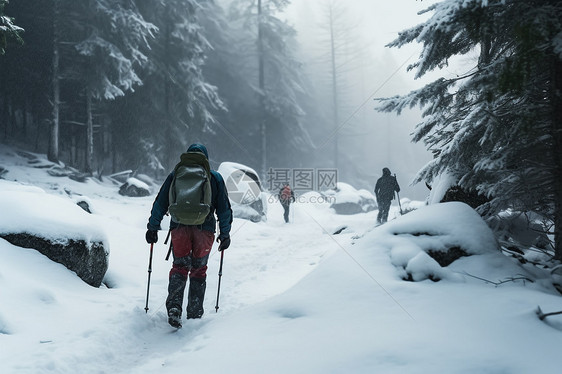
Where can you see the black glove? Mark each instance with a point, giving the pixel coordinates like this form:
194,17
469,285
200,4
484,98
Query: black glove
151,236
224,241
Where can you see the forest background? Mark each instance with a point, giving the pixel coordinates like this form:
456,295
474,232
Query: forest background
106,86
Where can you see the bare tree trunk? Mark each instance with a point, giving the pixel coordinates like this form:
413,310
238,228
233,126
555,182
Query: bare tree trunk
167,120
261,68
2,97
557,124
5,115
73,153
335,100
89,134
53,151
12,121
113,152
25,123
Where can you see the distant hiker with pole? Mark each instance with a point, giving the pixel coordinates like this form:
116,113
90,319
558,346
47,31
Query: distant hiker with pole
286,197
384,191
192,193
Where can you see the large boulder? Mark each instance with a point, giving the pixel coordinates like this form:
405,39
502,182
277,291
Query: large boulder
436,236
471,198
347,200
88,260
245,191
56,227
445,189
133,187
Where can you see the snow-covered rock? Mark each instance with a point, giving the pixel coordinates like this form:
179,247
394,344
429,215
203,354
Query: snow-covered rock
445,189
438,235
134,187
245,191
88,260
56,227
347,200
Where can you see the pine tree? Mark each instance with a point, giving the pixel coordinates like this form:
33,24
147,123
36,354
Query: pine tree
498,127
177,101
111,37
340,56
8,30
234,134
25,74
268,43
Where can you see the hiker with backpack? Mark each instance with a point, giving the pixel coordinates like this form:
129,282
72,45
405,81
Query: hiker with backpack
192,194
385,188
286,196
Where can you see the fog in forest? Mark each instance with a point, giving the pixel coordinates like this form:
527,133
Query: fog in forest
183,71
366,69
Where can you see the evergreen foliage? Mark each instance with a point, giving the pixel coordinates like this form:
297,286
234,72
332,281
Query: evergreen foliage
498,127
108,36
7,29
278,82
105,86
176,104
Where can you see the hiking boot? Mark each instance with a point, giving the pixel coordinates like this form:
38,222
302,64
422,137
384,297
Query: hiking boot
174,318
176,288
195,297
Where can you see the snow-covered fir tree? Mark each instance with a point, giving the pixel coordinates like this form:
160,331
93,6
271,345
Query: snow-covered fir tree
235,130
7,29
497,128
270,63
111,36
178,101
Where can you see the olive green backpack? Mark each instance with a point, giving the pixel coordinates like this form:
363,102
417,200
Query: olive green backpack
190,191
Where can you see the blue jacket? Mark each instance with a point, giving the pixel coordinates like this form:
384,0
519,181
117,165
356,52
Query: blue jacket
219,204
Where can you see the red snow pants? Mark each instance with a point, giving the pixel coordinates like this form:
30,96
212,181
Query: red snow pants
191,247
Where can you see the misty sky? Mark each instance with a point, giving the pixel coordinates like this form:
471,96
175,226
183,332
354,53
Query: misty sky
376,140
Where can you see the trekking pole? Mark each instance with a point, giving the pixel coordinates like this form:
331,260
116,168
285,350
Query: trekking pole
220,275
149,272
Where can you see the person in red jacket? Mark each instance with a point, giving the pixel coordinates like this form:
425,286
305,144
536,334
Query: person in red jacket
286,196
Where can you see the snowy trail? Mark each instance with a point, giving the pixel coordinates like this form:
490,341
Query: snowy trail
264,260
295,298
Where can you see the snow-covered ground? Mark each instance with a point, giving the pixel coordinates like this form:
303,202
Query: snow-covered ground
295,298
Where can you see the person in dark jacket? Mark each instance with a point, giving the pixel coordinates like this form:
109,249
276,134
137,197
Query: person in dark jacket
385,188
191,245
286,197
